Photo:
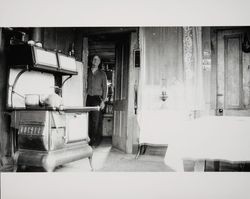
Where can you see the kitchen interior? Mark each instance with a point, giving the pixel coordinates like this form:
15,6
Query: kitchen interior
198,76
45,113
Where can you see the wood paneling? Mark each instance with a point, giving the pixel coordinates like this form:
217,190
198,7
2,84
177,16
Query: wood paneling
106,30
120,135
59,39
233,72
213,88
162,63
78,41
133,129
207,57
163,54
233,77
5,138
104,47
85,67
50,38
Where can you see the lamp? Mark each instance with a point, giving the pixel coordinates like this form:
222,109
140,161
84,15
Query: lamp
163,95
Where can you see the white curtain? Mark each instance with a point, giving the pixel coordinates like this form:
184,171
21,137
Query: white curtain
162,68
174,55
192,54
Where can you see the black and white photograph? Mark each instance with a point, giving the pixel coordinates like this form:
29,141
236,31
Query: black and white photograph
124,101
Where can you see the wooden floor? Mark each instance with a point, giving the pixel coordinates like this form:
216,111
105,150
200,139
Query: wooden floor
219,166
106,158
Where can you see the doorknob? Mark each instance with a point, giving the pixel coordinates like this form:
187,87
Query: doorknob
220,111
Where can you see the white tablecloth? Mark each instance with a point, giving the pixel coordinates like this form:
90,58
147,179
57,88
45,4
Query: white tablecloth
211,137
158,127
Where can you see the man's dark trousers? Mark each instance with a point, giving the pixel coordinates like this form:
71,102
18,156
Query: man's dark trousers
95,120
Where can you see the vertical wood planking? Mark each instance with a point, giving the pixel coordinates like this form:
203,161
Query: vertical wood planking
206,49
121,94
233,78
5,138
163,66
85,53
220,70
213,77
132,127
233,72
246,79
59,39
78,41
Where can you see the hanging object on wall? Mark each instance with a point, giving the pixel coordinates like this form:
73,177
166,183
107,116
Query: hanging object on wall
206,61
246,44
137,58
136,97
164,95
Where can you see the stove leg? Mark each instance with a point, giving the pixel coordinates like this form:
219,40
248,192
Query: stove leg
91,164
144,149
15,168
49,168
15,161
139,151
23,167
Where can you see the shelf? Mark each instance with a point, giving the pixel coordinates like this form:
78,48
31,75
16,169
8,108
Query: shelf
37,59
45,69
107,115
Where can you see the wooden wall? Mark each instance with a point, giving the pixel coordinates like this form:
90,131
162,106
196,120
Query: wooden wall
233,79
162,67
5,144
62,39
132,126
208,82
58,38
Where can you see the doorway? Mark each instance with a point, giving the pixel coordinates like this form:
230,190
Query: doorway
114,50
233,79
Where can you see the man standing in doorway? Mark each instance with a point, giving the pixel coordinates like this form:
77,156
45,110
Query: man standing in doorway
96,96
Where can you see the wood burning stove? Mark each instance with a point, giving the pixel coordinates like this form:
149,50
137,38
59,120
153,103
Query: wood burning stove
46,136
43,138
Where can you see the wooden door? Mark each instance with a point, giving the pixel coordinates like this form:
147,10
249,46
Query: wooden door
233,79
120,136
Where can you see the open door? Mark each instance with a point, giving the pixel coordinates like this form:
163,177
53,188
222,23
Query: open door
120,136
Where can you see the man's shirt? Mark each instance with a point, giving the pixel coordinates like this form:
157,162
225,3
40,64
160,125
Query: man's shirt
97,83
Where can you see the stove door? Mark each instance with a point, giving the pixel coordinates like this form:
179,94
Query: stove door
76,127
33,128
57,130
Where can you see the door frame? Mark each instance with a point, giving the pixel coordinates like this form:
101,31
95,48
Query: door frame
132,129
214,31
